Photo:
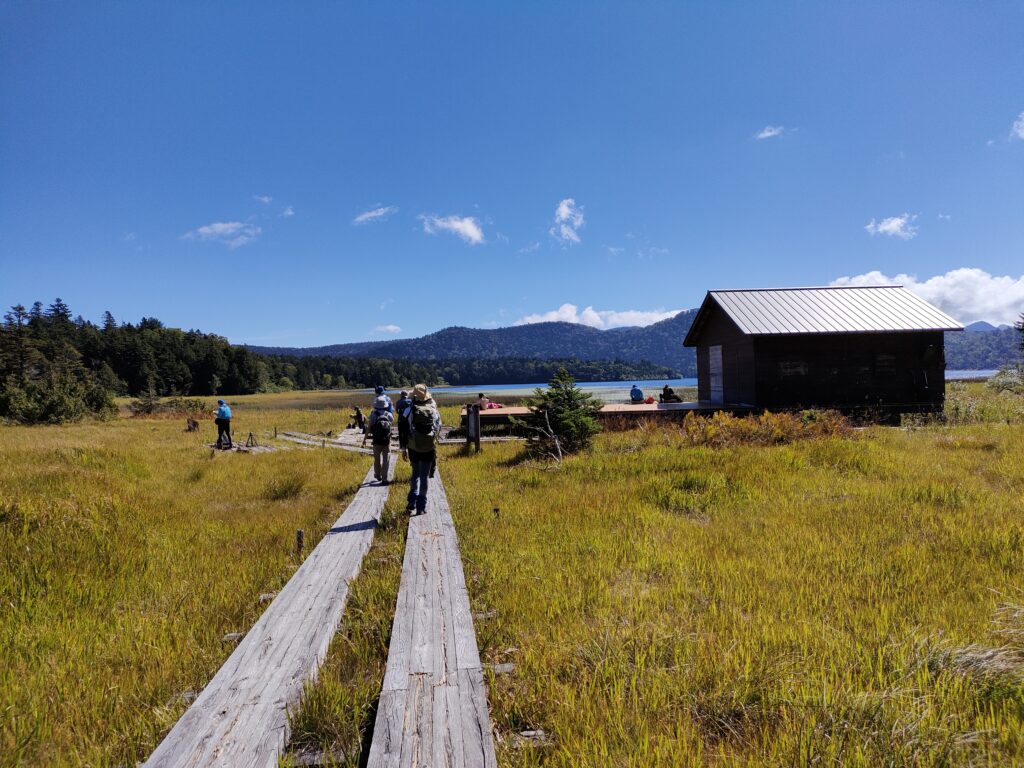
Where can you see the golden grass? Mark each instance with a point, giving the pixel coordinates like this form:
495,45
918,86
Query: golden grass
824,602
840,600
129,551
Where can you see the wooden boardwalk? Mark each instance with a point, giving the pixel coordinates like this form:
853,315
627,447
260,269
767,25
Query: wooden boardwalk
433,706
240,718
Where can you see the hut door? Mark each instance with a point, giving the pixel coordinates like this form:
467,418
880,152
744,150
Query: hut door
715,371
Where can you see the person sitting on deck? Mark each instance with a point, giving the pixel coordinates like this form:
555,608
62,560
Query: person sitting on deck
636,395
358,420
483,402
668,395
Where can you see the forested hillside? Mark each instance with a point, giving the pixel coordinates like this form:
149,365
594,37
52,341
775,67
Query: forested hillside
55,368
661,343
982,349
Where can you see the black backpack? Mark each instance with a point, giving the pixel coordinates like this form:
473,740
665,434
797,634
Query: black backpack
382,428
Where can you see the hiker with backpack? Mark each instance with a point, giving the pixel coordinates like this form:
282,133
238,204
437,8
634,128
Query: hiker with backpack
223,422
381,422
418,440
379,392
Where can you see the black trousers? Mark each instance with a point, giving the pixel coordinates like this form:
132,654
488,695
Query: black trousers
223,431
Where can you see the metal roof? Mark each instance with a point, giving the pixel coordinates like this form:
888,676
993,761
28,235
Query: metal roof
826,310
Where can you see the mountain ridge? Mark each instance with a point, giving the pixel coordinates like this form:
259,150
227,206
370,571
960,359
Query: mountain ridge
660,343
982,346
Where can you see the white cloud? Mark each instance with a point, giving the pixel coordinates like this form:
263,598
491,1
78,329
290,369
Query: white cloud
895,226
385,303
968,294
770,132
388,329
530,248
598,318
377,214
265,199
288,212
568,222
465,227
127,237
944,217
232,233
1017,131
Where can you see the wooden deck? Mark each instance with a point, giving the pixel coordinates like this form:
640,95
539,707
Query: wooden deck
493,416
240,718
433,706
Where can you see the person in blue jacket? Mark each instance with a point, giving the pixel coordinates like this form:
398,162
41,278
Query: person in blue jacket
223,422
636,395
379,392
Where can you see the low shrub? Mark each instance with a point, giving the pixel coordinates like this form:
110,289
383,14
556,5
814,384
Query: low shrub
722,429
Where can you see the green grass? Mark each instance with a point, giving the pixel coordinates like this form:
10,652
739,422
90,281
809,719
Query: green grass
834,601
844,600
129,551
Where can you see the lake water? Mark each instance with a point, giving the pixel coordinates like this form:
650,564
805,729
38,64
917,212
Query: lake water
619,390
606,390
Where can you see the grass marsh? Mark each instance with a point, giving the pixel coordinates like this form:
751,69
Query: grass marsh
845,600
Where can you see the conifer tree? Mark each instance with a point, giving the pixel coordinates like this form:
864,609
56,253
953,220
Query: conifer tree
563,418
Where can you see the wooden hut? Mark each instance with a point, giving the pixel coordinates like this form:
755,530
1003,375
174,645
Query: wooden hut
846,348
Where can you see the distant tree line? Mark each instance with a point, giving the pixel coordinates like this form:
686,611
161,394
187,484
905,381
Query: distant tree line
982,350
56,368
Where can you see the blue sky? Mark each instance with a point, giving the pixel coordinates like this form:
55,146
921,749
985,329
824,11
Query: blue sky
301,174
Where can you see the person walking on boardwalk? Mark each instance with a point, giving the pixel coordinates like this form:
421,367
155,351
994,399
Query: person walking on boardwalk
422,427
223,422
379,392
381,422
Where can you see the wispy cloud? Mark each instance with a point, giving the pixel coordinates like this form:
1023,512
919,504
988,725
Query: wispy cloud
530,247
895,226
377,214
384,304
568,222
598,318
466,227
265,199
944,217
127,237
388,329
233,234
770,132
1017,132
288,212
967,294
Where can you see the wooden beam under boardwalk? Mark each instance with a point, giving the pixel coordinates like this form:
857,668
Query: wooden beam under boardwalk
433,706
241,717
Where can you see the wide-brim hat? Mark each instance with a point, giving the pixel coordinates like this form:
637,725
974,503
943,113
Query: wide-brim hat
419,392
381,403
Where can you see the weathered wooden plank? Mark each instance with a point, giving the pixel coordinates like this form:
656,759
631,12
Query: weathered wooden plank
467,653
389,729
476,720
433,659
240,718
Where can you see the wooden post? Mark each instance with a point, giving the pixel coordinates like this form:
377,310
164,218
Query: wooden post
473,426
300,539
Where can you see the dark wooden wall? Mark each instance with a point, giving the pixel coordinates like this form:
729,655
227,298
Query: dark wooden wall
855,370
737,360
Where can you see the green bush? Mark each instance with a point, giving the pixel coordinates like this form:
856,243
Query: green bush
562,420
